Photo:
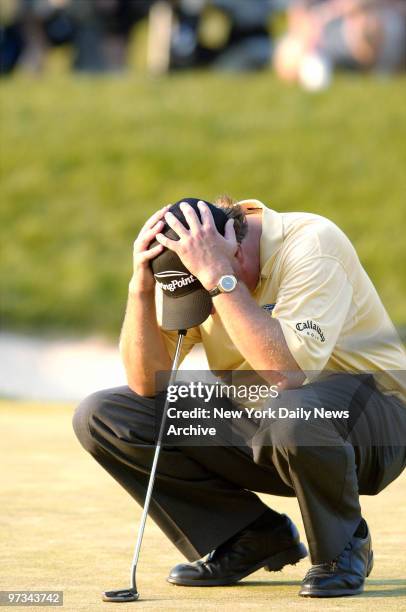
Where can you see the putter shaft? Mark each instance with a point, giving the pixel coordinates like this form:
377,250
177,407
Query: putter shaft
131,594
172,378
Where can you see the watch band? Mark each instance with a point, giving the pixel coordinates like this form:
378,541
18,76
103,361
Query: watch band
223,286
214,292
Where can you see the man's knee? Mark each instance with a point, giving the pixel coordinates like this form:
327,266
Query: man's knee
294,434
118,415
282,426
84,415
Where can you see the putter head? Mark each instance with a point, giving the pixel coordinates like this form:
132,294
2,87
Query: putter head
121,596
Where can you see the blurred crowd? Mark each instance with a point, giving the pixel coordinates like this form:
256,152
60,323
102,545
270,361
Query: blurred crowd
304,40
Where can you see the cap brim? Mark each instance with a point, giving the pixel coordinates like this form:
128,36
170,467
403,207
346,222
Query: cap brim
186,311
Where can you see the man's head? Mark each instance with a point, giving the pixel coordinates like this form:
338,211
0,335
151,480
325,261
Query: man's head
185,301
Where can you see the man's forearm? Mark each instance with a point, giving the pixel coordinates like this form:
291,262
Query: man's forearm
257,336
142,346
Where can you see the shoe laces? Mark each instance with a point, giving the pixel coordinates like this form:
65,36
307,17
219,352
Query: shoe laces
328,567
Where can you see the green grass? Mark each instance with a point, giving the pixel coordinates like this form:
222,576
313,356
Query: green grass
67,525
85,160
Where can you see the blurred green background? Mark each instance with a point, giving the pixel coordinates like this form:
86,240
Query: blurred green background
84,161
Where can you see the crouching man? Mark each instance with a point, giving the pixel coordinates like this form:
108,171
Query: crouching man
283,295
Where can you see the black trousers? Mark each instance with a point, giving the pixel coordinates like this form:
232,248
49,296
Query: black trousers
203,495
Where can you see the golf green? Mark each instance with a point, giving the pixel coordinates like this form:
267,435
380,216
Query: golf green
66,525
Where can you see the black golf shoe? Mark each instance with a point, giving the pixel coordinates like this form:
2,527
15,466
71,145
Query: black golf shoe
256,546
343,576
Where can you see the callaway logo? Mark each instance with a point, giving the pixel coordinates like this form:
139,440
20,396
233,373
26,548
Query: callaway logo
181,279
310,327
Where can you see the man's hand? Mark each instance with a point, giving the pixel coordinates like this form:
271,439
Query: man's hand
142,280
203,250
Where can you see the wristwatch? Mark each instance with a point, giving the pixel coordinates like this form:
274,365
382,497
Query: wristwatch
226,284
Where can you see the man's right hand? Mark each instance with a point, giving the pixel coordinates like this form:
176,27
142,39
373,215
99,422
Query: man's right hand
142,281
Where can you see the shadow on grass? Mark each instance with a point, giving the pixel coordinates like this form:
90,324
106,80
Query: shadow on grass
399,591
275,583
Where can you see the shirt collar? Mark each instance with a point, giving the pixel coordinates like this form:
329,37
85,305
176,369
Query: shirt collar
272,232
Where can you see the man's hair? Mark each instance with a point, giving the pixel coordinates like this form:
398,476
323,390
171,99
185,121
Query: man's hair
234,211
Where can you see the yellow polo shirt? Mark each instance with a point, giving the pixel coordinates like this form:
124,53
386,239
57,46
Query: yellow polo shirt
313,282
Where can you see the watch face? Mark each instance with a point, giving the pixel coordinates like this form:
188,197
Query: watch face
228,283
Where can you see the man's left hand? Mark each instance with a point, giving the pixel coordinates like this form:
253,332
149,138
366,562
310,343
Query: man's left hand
202,249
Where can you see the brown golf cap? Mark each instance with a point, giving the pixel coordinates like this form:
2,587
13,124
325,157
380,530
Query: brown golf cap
185,302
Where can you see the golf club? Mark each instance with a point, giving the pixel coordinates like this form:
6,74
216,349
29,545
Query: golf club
131,593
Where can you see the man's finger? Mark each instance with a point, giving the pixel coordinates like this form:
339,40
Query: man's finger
172,245
150,254
155,217
229,233
190,216
176,225
207,217
143,241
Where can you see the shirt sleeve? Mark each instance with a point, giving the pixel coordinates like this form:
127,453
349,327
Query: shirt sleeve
312,304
